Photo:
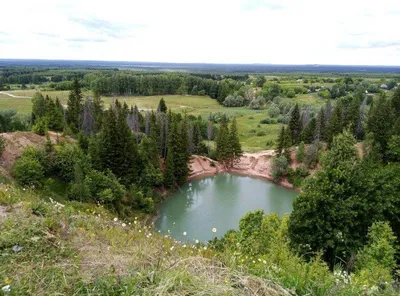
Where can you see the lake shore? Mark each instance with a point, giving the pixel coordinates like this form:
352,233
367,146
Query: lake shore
257,165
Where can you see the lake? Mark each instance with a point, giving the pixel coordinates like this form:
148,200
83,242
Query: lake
219,202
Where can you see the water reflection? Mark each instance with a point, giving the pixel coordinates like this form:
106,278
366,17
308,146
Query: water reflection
219,201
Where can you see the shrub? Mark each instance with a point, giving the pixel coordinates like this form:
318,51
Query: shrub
280,167
290,93
28,172
234,101
273,110
40,127
261,134
66,157
268,121
300,152
297,176
311,157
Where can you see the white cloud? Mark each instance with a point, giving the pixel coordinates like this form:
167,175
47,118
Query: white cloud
213,31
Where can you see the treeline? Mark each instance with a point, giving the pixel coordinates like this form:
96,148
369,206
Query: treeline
123,155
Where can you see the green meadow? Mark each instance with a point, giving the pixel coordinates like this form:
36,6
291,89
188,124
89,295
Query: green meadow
253,135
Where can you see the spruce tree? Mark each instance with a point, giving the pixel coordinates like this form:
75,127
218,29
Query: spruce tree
396,101
162,107
117,147
320,127
295,124
280,141
222,143
308,133
335,124
74,106
56,116
380,123
234,143
287,143
98,106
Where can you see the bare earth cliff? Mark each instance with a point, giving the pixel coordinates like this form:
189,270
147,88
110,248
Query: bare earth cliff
250,164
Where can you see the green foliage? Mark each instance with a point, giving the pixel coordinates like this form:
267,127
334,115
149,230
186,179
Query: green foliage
162,107
104,187
300,152
394,148
67,156
40,127
295,124
380,122
280,168
380,249
28,171
312,155
273,110
297,176
2,145
74,106
234,142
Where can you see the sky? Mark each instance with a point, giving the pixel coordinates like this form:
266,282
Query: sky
343,32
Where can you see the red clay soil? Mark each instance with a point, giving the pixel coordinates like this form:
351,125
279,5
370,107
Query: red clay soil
250,164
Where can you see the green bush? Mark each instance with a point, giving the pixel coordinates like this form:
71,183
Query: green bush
261,133
28,172
40,127
280,167
104,187
66,157
268,121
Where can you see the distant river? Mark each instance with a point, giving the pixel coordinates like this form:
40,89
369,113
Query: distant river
219,202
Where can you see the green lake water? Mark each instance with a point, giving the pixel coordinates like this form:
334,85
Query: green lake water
219,202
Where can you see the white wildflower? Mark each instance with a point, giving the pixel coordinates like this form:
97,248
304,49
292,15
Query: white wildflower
184,233
214,230
197,241
115,219
6,289
123,224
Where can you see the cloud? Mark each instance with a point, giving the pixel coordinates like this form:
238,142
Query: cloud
370,44
85,40
104,27
48,35
270,4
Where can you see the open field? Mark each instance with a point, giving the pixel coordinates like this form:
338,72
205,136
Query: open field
248,120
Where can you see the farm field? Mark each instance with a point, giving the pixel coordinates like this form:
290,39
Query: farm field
248,120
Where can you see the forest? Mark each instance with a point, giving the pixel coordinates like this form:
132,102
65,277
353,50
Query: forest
343,235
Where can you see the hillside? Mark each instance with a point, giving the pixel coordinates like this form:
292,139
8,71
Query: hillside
17,142
48,248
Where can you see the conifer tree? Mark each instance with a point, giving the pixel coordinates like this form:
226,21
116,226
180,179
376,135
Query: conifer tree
307,135
222,142
117,148
280,141
295,124
89,121
287,143
335,124
209,134
55,116
234,143
169,177
74,106
380,123
162,107
396,101
98,106
353,115
320,127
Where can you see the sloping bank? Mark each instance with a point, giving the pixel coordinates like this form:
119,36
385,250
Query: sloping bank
250,164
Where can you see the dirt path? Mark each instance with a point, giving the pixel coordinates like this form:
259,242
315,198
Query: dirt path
14,96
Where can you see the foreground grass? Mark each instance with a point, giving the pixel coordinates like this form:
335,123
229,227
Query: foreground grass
47,248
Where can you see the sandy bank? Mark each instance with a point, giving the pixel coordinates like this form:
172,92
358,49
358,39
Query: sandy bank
250,164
